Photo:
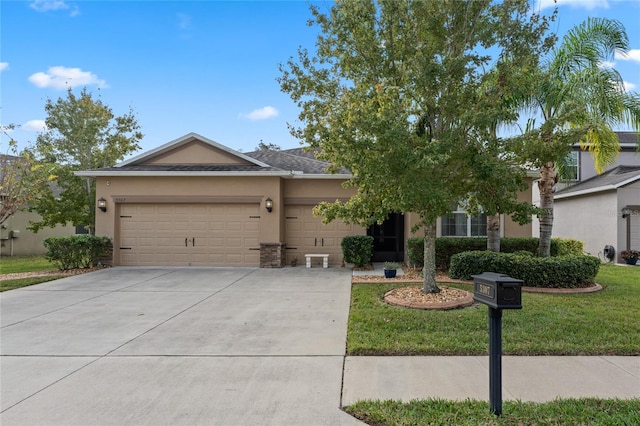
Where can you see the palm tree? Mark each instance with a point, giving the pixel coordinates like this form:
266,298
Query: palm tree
578,98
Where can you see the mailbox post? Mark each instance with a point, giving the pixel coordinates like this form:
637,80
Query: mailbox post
498,291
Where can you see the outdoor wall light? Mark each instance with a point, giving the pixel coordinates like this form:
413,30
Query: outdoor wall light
102,204
625,212
268,204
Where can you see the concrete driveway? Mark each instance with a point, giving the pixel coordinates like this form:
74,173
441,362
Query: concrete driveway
178,346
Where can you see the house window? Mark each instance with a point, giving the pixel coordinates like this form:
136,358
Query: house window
460,224
571,167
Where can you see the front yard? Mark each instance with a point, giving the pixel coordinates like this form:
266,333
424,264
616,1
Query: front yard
602,323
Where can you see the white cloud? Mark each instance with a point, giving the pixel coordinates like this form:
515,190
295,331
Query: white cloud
261,114
629,87
48,5
632,55
585,4
184,21
4,66
34,126
62,77
606,64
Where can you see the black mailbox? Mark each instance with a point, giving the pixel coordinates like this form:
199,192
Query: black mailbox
498,291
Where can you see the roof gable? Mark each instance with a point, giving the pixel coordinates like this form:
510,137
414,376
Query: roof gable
191,149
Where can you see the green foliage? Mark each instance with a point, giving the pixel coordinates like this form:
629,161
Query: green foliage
567,246
390,266
83,134
76,251
579,100
553,272
448,246
357,249
402,94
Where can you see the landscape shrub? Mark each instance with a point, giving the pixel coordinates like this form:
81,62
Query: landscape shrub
448,246
357,249
76,251
552,272
567,246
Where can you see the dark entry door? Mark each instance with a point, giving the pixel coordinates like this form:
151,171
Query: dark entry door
388,239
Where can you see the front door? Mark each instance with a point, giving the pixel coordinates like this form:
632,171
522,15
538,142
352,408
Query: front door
388,239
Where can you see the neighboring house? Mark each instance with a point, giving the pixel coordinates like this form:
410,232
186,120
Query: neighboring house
195,202
16,239
601,209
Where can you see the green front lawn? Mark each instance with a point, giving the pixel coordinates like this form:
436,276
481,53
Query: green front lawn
20,264
602,323
582,324
15,264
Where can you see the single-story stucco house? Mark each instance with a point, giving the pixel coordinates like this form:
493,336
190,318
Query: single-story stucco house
193,201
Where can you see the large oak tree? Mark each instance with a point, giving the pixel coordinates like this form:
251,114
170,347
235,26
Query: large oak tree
405,95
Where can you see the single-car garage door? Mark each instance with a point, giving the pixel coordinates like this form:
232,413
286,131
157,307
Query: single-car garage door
307,234
189,234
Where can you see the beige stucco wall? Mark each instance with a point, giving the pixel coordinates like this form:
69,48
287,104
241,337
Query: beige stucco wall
592,219
170,189
195,152
28,242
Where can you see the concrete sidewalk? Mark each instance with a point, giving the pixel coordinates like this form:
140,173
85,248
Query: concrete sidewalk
538,379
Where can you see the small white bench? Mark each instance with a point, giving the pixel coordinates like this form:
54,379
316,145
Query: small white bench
325,259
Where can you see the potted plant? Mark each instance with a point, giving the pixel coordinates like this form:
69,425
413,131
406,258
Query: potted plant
630,256
390,269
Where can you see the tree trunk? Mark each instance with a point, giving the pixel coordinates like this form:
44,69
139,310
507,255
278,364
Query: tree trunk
429,266
545,186
493,233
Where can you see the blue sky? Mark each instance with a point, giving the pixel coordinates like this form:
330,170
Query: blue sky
208,67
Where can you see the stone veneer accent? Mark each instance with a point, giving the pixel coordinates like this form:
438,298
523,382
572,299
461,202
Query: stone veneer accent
272,255
107,258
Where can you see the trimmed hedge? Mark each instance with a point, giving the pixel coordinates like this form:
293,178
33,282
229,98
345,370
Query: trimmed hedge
447,247
357,249
569,271
76,251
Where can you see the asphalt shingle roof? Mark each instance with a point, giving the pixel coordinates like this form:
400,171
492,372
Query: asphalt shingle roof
296,159
610,178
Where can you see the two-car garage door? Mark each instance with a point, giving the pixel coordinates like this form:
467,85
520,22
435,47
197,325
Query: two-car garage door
189,234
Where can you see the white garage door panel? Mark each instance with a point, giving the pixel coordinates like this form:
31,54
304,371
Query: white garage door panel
307,234
189,234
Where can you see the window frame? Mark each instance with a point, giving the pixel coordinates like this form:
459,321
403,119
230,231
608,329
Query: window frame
481,222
